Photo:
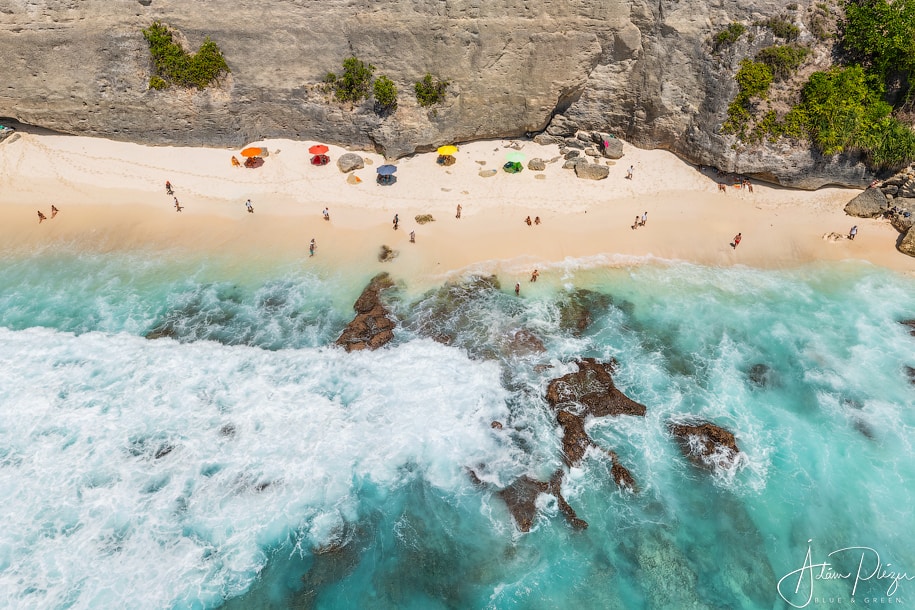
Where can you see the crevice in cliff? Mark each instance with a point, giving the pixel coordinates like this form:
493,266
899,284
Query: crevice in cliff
29,128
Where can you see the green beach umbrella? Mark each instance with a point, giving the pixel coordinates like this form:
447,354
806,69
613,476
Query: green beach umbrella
515,157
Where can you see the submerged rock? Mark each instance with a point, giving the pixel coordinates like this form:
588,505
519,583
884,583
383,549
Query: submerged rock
372,327
762,375
706,444
592,387
576,312
910,372
910,324
575,442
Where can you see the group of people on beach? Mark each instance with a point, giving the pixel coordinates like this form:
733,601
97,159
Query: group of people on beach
640,221
528,222
42,217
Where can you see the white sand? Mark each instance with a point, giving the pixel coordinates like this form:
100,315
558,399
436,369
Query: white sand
112,196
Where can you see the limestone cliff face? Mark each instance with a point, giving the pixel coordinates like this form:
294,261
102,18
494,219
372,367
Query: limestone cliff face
642,70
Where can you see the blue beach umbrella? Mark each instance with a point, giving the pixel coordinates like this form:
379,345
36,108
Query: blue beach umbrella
387,170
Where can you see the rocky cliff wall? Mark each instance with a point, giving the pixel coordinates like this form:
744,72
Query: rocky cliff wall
642,70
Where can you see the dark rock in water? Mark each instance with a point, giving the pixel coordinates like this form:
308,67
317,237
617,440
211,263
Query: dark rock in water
910,371
621,475
496,425
525,342
163,450
871,203
371,328
865,430
521,498
706,444
227,430
576,312
910,324
592,387
575,441
164,331
762,375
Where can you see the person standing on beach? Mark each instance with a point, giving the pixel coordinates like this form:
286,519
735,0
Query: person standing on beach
736,241
644,218
536,220
458,215
54,211
629,172
249,206
635,225
41,217
535,275
517,289
326,214
412,237
852,232
528,221
396,221
178,207
168,188
311,247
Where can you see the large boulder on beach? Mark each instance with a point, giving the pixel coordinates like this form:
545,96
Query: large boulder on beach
349,162
871,203
613,149
372,327
706,444
591,171
536,165
907,243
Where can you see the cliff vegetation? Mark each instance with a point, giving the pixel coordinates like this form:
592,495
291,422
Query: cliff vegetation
175,66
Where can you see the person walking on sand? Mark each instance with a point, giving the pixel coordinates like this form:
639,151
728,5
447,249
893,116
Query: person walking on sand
629,172
536,220
635,225
458,215
54,211
168,188
178,207
852,232
736,241
517,289
326,214
311,247
535,275
41,217
249,207
412,237
528,221
644,218
396,221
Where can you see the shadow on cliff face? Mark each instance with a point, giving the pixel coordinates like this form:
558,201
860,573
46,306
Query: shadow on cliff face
26,128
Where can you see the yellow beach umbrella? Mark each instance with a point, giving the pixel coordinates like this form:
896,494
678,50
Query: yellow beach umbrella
447,151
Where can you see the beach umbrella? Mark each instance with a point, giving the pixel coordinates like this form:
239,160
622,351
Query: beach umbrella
253,151
387,170
447,151
318,149
515,157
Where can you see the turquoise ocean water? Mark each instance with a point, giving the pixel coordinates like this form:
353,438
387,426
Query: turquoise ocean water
244,462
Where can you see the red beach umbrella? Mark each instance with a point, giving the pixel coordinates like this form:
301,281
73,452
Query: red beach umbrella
318,149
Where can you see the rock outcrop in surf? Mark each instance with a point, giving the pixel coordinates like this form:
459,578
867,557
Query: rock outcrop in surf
372,327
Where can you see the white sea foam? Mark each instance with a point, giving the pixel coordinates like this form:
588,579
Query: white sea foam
146,474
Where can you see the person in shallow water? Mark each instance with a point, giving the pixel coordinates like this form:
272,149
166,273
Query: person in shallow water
311,247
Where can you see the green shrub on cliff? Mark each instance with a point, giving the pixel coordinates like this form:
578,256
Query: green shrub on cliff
753,80
783,60
728,35
176,66
353,85
385,93
430,91
782,28
881,35
845,111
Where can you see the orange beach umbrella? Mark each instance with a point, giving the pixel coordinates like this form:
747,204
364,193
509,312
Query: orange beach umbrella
253,152
318,149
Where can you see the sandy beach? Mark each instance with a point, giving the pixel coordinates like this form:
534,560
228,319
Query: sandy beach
112,196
